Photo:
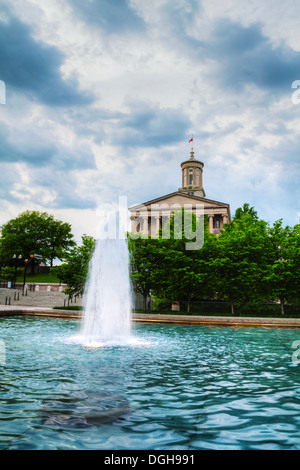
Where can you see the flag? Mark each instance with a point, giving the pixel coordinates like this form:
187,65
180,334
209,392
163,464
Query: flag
191,140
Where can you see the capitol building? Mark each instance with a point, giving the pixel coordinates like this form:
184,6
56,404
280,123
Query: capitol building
150,216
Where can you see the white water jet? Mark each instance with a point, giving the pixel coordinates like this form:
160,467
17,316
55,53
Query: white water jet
107,313
107,299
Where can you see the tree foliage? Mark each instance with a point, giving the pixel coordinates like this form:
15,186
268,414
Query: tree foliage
248,261
283,275
74,271
144,260
164,267
35,232
240,261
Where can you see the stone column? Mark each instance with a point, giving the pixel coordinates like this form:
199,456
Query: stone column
225,220
157,223
145,225
211,223
133,224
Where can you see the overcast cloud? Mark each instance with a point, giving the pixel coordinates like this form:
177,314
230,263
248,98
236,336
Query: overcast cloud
102,97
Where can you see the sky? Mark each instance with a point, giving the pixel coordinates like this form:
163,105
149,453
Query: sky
103,96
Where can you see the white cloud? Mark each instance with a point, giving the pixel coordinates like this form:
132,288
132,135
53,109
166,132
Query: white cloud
171,72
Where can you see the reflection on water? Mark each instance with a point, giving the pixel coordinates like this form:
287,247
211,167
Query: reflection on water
84,408
192,387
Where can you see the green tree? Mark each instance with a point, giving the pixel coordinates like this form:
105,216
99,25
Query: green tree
283,275
35,232
143,260
74,271
181,269
246,209
7,274
241,260
165,267
248,261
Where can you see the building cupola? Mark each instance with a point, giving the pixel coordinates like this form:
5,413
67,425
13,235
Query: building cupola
192,171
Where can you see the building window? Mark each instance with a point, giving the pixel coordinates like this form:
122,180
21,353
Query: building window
217,224
190,176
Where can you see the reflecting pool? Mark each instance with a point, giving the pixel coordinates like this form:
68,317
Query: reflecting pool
181,387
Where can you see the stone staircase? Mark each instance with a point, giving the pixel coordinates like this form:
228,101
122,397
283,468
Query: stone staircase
36,299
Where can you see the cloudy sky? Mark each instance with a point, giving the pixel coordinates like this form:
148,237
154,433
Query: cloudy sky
102,97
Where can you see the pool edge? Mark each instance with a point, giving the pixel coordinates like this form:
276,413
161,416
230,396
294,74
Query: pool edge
160,318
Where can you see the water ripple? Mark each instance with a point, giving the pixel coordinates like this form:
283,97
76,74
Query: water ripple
191,388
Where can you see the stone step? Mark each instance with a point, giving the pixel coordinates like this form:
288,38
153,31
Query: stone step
40,299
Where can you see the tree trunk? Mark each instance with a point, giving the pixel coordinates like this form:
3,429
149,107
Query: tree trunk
32,267
232,307
145,302
282,305
189,303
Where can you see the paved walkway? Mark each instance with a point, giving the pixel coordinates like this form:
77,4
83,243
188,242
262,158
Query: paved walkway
160,318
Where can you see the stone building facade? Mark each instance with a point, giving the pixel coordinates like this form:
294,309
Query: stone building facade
150,216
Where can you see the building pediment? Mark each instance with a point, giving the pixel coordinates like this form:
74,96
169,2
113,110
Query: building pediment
180,199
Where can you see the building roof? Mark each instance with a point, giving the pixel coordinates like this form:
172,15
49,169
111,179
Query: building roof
203,200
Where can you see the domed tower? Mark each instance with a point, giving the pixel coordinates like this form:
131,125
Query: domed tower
192,171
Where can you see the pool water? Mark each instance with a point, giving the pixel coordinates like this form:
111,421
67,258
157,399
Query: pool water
190,387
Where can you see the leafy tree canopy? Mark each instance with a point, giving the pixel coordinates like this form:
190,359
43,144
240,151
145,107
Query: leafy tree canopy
34,232
75,271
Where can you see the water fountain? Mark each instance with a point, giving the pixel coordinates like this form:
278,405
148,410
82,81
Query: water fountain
106,321
108,305
193,388
107,311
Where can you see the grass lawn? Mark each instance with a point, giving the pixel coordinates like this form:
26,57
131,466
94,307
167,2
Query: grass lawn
39,278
